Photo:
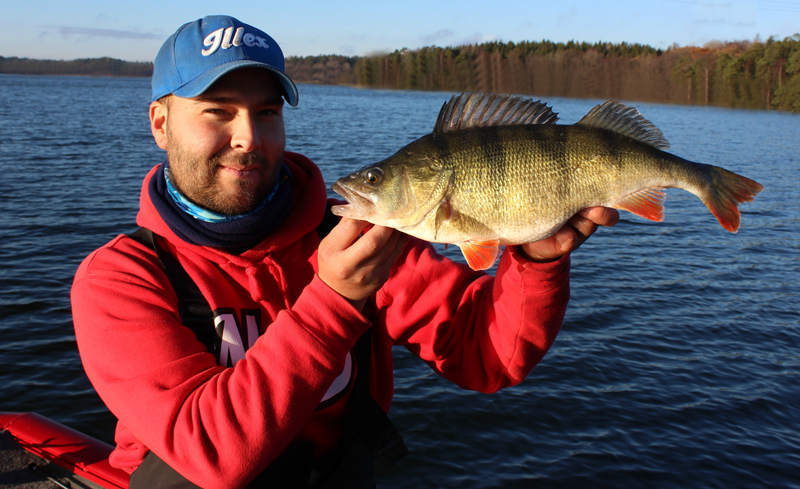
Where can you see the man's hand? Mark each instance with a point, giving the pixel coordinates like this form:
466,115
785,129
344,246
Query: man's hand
571,235
356,267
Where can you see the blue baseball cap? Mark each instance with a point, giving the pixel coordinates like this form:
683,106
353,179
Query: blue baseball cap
200,52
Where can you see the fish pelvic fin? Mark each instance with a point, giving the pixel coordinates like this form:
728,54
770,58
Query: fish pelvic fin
480,255
628,121
491,109
647,203
726,193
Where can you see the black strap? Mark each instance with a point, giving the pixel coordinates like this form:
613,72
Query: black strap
193,308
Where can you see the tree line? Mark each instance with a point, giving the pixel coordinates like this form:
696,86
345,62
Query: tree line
758,75
87,67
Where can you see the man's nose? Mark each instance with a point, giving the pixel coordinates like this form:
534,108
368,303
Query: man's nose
245,134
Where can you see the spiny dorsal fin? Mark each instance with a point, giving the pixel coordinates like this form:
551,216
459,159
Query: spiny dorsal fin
618,117
491,109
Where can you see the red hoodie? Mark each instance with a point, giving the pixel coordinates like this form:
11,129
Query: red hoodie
220,427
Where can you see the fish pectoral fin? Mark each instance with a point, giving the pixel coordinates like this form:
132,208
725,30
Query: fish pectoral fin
480,255
443,213
647,203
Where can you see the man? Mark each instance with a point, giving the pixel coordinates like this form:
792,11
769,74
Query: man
282,395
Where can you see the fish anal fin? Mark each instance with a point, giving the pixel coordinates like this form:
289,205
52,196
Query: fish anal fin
480,255
647,203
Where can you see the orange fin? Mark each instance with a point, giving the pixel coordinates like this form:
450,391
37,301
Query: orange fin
480,255
647,203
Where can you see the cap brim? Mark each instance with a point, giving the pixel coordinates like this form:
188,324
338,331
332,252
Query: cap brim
200,84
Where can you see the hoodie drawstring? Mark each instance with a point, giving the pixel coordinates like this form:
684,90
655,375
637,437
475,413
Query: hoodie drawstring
257,282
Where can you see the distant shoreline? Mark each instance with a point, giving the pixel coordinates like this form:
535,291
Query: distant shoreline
754,75
86,67
74,74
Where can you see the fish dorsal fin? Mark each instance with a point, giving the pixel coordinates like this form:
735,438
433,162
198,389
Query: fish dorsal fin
491,109
618,117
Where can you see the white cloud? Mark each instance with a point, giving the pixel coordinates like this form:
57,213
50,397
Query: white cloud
67,31
437,36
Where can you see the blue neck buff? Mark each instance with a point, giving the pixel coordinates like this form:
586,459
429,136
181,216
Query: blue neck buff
206,215
199,226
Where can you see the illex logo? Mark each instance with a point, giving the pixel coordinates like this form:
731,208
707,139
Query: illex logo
225,38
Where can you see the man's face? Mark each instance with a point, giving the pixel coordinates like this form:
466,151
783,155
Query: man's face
224,146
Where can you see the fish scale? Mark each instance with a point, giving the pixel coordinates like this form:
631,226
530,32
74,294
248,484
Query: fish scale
497,170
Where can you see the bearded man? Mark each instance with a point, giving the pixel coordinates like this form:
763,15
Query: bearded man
241,341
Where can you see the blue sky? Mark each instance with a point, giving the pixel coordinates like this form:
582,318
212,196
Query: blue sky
134,30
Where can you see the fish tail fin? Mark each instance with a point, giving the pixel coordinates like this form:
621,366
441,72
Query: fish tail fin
725,193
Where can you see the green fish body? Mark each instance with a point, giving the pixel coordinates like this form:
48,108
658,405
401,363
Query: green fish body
497,170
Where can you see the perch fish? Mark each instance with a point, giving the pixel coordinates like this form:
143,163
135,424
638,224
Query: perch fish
497,170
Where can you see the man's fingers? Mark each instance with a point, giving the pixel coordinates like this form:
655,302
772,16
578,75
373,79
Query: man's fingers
398,245
585,222
362,244
602,216
377,243
582,226
356,261
345,233
573,234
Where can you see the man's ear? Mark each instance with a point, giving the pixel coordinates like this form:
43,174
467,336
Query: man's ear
158,123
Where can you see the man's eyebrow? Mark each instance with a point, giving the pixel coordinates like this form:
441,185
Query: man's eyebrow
213,98
221,99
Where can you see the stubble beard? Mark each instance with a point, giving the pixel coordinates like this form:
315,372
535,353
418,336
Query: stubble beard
195,178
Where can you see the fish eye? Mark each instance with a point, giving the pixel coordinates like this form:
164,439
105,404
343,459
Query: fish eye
374,175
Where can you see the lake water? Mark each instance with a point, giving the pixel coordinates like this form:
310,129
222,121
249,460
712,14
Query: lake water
678,364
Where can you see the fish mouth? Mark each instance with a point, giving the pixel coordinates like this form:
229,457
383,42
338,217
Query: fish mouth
359,204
